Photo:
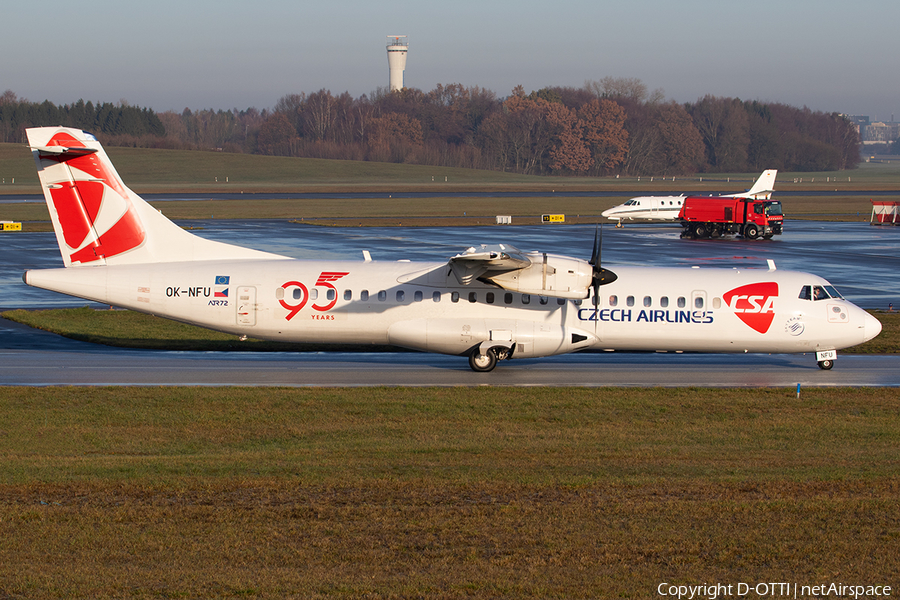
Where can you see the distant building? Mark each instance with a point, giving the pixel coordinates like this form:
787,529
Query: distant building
877,132
397,47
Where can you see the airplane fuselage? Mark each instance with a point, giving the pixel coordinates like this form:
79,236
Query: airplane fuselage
422,306
652,208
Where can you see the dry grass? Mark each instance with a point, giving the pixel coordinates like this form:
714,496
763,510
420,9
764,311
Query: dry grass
442,493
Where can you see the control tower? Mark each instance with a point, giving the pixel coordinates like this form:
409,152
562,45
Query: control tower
397,47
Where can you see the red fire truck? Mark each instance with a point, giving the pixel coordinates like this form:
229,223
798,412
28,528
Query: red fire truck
712,217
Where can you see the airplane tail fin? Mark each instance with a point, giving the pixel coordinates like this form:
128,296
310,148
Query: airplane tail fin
98,220
763,187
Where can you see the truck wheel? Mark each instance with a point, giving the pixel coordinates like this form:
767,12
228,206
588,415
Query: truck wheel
751,232
700,231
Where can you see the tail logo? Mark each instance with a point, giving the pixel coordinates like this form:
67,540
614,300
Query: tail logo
97,218
754,304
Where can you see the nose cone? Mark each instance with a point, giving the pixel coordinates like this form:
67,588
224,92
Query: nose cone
871,327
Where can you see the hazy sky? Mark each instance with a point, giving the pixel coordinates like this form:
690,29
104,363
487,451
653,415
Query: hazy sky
167,54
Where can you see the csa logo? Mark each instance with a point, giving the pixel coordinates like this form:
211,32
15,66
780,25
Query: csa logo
754,304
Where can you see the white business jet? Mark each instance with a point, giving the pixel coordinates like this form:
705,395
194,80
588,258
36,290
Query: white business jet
666,208
488,303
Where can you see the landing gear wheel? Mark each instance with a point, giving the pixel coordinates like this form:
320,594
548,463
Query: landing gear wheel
751,232
826,365
482,363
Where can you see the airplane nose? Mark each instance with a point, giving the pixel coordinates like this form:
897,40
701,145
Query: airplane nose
871,327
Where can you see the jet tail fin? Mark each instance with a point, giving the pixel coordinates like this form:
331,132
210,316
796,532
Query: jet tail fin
98,220
763,187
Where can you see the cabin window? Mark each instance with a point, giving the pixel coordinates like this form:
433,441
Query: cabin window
577,302
507,298
279,293
436,297
698,302
330,294
717,302
664,302
681,302
613,300
382,296
489,297
297,293
313,294
648,301
454,297
417,297
348,295
561,301
543,299
629,301
473,297
400,295
526,298
364,295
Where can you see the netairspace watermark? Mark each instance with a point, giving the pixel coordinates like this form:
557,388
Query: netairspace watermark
717,591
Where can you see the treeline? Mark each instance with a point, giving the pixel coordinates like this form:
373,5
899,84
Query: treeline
120,123
611,126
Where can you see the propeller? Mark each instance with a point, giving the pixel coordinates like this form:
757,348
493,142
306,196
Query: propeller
600,276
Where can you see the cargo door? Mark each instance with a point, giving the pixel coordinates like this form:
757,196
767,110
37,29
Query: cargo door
246,306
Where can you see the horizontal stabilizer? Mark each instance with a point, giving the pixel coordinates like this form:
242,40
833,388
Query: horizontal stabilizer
62,152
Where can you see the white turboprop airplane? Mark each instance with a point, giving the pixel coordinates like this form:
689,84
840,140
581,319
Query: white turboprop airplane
489,303
666,208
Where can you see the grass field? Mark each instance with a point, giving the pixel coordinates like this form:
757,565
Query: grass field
172,171
428,493
442,493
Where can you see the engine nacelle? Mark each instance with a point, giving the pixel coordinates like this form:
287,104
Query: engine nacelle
548,275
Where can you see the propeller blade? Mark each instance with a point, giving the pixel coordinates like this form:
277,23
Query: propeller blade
600,276
598,241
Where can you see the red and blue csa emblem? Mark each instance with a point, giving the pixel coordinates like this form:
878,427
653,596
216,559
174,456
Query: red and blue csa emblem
754,304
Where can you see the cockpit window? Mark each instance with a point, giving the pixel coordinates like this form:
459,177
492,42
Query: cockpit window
819,292
833,292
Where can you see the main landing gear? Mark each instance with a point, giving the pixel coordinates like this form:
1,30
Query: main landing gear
483,360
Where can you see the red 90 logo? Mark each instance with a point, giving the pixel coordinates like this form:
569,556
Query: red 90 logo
324,280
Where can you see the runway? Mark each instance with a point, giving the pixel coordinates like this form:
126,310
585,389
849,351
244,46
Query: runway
36,358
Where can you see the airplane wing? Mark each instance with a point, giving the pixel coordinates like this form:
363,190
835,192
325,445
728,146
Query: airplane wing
529,273
475,262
